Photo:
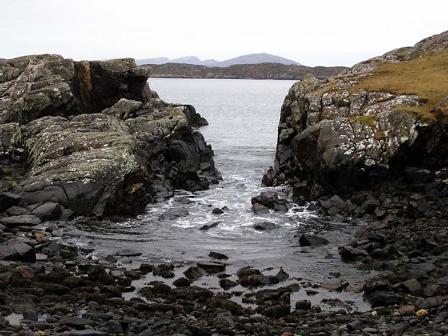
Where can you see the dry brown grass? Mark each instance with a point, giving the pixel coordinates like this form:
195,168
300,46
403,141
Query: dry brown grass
425,77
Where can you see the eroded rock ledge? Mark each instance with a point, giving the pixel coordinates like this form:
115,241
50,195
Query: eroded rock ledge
370,124
95,138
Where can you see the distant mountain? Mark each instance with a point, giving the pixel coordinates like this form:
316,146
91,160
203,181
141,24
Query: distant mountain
242,71
245,59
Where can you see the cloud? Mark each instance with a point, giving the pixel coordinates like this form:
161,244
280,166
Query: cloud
319,32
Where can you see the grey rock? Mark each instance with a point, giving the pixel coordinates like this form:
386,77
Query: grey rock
21,220
48,211
312,240
174,214
264,226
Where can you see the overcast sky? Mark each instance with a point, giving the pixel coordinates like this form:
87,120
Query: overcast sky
312,32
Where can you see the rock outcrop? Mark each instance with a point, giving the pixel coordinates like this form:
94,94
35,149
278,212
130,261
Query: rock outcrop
371,123
96,139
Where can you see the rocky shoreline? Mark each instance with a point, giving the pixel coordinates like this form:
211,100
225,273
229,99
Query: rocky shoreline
93,140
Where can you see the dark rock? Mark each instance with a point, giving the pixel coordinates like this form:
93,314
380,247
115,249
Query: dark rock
174,214
383,298
128,253
349,253
413,286
282,275
271,201
226,284
181,282
264,226
22,220
48,211
194,273
259,209
164,270
277,311
207,227
8,200
312,240
217,211
17,211
17,251
212,267
303,305
217,255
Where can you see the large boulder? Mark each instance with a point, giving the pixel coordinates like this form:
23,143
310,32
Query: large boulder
368,123
98,140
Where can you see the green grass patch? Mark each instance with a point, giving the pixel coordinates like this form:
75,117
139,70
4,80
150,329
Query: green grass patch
425,76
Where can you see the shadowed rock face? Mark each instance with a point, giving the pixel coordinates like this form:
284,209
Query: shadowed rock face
338,136
98,140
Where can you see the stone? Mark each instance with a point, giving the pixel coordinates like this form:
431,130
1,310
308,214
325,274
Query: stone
226,284
25,272
312,240
212,267
413,286
303,305
174,214
271,201
207,227
194,273
128,253
264,226
259,209
8,200
217,211
21,220
349,253
217,255
181,282
48,211
17,211
277,311
17,251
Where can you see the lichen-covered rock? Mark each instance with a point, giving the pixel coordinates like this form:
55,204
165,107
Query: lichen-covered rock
98,140
338,135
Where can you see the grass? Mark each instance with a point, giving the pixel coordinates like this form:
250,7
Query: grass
426,77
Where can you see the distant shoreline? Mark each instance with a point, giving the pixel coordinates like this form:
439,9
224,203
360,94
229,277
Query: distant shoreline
262,71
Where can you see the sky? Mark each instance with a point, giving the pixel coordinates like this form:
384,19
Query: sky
312,32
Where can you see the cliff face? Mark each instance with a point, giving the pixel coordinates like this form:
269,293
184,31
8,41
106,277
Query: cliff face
95,138
379,120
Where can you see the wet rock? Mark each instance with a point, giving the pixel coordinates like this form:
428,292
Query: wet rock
207,227
21,220
17,211
226,284
383,298
8,200
181,282
164,271
47,211
217,211
277,311
217,255
282,275
271,201
128,253
312,240
303,305
174,214
25,272
264,226
349,253
17,251
194,273
212,268
413,286
260,209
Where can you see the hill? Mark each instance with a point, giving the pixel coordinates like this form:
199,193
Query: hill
242,71
244,59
